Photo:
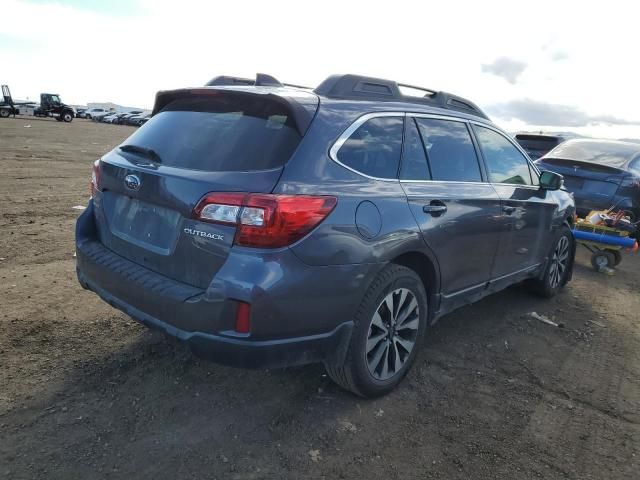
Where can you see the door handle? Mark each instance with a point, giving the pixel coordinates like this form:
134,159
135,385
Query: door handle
435,208
508,209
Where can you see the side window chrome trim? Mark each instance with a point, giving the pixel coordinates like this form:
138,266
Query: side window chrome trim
445,181
438,117
333,151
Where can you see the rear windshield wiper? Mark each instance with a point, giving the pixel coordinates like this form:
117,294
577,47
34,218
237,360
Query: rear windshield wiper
144,151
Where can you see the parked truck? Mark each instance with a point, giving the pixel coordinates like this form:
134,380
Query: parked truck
52,106
7,106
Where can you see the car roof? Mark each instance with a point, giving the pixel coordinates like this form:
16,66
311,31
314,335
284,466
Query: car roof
307,97
356,88
351,95
364,106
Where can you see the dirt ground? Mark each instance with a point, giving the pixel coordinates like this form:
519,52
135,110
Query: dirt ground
86,392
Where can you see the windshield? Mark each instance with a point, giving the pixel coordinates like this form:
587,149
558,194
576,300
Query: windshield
222,134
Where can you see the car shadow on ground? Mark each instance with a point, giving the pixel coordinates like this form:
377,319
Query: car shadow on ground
483,375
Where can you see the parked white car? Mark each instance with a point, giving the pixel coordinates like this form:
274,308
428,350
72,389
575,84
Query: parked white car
99,116
91,112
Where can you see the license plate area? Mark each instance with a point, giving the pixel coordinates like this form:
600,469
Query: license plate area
144,224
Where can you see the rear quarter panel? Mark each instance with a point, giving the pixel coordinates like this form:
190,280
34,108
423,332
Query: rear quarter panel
338,240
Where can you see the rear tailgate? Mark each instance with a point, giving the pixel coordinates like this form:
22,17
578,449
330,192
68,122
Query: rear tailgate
213,140
593,185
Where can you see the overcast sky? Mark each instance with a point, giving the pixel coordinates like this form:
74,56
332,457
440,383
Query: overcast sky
554,65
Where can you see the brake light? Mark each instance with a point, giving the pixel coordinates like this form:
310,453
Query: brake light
94,186
265,220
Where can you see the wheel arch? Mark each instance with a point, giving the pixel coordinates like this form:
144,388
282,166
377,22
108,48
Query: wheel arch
427,270
569,221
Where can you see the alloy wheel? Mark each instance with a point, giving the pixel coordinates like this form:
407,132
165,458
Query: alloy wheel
392,334
559,262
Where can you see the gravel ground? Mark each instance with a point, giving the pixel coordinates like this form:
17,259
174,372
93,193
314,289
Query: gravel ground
85,392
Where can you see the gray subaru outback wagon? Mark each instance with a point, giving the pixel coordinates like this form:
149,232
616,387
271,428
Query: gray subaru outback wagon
269,225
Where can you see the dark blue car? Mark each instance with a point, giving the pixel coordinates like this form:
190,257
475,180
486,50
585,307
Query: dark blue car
600,173
269,225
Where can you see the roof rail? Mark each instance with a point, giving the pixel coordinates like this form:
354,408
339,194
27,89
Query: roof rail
357,87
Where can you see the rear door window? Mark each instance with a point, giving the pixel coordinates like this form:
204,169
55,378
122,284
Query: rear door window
450,150
226,133
374,148
505,163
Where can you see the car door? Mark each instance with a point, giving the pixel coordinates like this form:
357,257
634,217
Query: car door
527,210
455,208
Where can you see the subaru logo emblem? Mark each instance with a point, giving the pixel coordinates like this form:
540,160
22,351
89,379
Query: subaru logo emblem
132,182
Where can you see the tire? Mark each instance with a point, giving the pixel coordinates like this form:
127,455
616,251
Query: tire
87,117
560,263
617,257
378,370
4,113
67,117
603,259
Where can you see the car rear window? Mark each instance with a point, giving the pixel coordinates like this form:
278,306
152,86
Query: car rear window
220,134
610,154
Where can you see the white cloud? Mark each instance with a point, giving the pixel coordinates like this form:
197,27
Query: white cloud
168,44
534,112
508,68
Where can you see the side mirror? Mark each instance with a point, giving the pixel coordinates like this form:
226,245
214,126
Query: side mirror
550,180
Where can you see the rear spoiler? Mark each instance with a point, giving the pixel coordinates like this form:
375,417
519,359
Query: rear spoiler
302,113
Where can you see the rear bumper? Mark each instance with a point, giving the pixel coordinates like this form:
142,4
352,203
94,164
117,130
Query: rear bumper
237,352
289,327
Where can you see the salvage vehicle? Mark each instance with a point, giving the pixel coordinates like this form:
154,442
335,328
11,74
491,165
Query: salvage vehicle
122,120
136,120
99,116
90,113
268,225
110,118
602,174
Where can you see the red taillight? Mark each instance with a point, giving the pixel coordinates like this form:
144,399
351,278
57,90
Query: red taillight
94,186
265,220
243,318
